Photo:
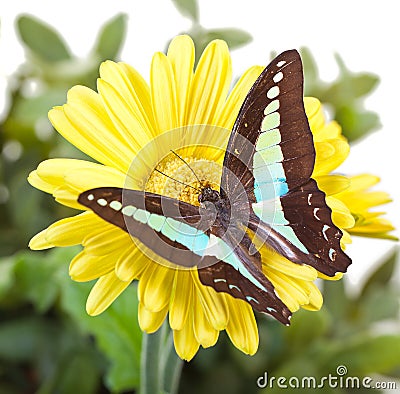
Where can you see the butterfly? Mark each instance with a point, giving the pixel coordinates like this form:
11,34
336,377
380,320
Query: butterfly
266,191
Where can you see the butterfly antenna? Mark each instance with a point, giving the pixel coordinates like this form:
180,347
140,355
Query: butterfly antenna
175,180
190,168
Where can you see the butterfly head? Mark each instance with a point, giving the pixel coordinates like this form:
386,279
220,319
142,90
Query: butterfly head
209,194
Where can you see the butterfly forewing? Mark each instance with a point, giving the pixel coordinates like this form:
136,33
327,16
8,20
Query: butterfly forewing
271,153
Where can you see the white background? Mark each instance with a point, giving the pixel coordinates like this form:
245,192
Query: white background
365,33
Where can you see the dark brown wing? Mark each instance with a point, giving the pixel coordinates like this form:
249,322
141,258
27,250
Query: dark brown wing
280,83
172,229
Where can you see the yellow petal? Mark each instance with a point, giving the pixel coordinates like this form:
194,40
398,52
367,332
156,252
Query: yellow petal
346,239
111,239
65,232
181,300
128,123
341,215
283,291
163,93
338,276
87,125
94,176
204,332
133,93
315,115
186,345
315,297
242,327
36,181
142,99
236,97
85,267
275,261
213,303
181,57
210,84
329,155
151,321
333,184
363,182
295,288
131,263
377,226
155,287
329,131
104,292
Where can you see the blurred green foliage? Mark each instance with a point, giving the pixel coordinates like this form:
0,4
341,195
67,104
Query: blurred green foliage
49,344
344,96
201,36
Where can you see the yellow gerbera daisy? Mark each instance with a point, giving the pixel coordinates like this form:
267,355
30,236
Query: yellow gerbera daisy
127,116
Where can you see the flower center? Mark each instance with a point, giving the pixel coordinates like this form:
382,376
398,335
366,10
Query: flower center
176,179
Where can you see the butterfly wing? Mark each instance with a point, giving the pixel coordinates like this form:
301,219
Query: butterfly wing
186,236
250,285
172,229
271,155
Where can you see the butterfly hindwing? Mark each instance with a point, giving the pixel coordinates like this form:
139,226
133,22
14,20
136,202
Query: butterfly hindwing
242,278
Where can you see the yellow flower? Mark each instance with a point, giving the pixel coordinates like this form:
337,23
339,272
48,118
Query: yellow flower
124,123
348,197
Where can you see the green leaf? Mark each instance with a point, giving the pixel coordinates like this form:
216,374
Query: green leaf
111,38
80,362
381,303
234,37
335,299
116,331
6,275
188,8
382,275
26,111
43,40
364,355
20,339
313,86
355,122
35,276
306,327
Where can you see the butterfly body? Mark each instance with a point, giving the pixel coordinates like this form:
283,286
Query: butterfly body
266,191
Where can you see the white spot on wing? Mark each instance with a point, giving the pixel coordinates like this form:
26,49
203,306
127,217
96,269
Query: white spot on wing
281,63
278,77
102,202
324,230
90,197
332,254
273,92
219,280
309,199
249,298
234,287
129,210
315,213
116,205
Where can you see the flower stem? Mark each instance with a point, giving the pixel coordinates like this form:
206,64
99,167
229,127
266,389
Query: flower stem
172,366
160,367
150,363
